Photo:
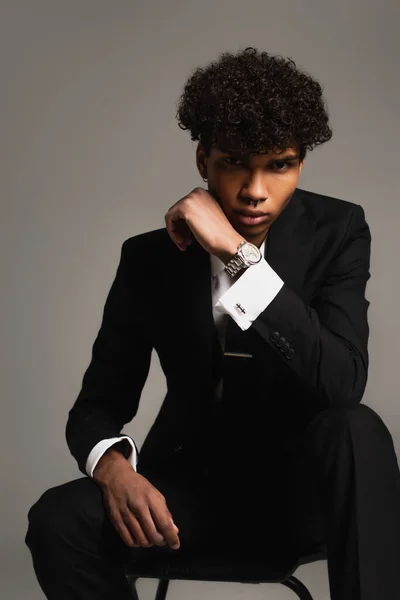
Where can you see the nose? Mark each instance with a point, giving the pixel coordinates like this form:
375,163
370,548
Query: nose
255,190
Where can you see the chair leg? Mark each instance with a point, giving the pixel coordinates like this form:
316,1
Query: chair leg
162,589
299,588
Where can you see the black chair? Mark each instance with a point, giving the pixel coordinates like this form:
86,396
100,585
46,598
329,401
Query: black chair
242,568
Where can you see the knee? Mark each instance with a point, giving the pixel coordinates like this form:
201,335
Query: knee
47,517
359,421
369,423
359,418
363,416
58,509
41,518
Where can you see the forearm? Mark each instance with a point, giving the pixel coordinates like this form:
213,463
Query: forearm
334,368
113,382
110,459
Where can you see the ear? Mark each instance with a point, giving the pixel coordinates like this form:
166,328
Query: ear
201,160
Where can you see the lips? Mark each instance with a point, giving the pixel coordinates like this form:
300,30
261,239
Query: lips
252,213
246,220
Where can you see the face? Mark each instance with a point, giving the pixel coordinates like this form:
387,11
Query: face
270,178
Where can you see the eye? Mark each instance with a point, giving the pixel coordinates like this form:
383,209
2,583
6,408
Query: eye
283,163
231,158
279,165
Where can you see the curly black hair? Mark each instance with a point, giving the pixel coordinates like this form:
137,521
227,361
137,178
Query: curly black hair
252,102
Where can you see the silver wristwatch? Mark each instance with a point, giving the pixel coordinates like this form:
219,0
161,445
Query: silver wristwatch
247,254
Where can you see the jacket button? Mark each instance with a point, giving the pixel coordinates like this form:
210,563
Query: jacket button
280,342
290,353
274,336
178,448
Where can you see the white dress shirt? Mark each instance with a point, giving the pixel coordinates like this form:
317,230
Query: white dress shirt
256,287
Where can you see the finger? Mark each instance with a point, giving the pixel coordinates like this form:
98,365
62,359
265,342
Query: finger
172,225
124,533
148,526
165,525
118,524
135,528
177,228
182,241
170,515
181,235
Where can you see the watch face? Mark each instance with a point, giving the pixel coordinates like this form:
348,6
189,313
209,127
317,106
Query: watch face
251,252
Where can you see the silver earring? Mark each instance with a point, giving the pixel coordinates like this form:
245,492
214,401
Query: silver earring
204,179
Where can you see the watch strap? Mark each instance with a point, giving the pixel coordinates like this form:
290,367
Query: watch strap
236,263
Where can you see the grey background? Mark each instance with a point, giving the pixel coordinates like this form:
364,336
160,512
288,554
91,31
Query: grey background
91,154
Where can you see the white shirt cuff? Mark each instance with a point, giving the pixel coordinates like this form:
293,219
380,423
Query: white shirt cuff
253,291
98,450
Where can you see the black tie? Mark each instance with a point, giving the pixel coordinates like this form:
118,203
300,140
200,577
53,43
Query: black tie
237,361
233,422
236,369
232,418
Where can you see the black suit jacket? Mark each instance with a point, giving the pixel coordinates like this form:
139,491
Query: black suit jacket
161,298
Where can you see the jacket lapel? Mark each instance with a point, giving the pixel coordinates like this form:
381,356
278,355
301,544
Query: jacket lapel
290,243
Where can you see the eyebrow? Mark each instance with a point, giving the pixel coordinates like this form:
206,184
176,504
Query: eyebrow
271,160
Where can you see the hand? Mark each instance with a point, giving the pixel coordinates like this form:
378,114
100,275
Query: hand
137,510
199,214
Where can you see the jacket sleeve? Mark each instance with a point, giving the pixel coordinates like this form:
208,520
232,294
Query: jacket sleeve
325,343
121,355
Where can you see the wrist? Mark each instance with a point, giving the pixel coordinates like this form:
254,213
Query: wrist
109,460
228,252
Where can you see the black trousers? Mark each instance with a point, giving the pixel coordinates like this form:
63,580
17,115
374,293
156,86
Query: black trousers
338,483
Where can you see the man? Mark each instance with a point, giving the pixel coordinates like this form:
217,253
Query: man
260,325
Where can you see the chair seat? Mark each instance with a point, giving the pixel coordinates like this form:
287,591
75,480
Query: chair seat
241,567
